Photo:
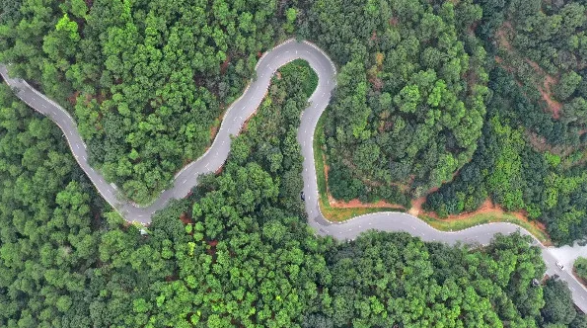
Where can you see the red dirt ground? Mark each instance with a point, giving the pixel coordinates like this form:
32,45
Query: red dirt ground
486,208
73,98
185,219
213,131
546,92
224,65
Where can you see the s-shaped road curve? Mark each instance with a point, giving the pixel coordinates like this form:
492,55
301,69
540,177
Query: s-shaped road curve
233,121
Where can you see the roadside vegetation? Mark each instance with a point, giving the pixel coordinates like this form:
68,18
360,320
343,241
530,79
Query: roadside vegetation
148,81
512,74
238,251
145,80
332,212
580,269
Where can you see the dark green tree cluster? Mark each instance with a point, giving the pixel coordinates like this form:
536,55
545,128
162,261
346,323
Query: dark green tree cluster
238,253
559,310
46,212
528,159
409,103
506,167
146,80
250,259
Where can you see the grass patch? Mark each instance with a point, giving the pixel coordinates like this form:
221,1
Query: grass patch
482,218
334,214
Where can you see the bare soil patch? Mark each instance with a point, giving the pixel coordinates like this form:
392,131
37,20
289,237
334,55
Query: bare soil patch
225,64
184,218
486,208
546,91
502,36
73,98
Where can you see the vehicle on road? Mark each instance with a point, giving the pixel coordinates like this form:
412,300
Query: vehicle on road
560,265
302,196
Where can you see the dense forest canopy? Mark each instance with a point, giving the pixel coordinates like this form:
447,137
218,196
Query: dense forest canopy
430,93
238,252
531,156
484,99
422,88
146,80
409,104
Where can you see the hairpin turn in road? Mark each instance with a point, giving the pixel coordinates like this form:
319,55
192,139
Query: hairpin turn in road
234,119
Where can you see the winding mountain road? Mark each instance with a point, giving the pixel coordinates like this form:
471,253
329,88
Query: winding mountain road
233,121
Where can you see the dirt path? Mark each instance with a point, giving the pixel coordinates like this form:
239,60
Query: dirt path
546,91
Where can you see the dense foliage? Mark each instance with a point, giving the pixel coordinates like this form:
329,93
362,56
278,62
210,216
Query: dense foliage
146,80
409,104
238,253
580,267
529,158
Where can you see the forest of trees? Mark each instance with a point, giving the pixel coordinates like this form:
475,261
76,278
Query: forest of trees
146,80
531,156
238,252
485,99
430,94
409,104
427,92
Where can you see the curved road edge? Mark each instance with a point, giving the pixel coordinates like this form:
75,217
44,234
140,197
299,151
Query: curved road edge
235,117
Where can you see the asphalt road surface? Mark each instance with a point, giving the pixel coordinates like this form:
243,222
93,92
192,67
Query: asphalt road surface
233,121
